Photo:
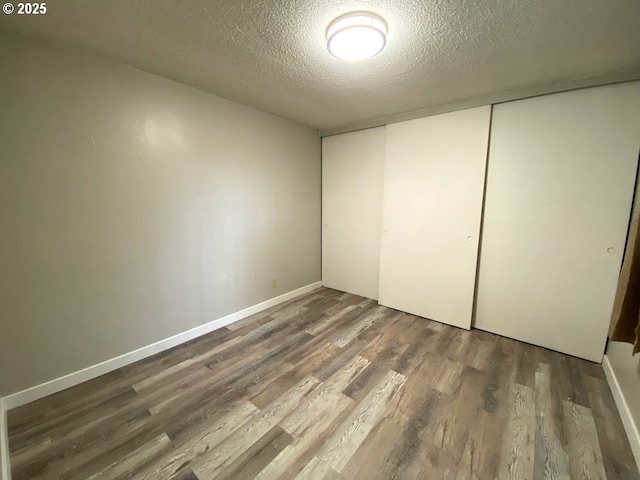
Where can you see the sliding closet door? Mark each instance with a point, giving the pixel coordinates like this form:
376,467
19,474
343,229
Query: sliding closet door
560,182
433,187
352,169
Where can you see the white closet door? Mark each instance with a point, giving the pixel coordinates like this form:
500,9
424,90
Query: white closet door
560,182
352,169
433,187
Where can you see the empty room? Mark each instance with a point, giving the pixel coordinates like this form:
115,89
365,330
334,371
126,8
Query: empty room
320,239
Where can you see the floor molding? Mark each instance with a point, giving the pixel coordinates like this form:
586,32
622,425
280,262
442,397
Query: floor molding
53,386
5,471
625,413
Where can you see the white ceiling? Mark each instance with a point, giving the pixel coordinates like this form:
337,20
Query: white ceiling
440,54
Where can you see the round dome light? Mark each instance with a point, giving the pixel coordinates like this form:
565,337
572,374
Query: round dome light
356,36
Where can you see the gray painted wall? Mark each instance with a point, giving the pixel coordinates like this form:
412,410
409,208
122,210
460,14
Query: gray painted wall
625,366
133,208
627,369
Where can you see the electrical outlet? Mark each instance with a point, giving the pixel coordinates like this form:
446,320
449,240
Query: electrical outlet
274,283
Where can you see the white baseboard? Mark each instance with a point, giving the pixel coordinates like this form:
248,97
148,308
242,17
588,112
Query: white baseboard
5,471
53,386
625,413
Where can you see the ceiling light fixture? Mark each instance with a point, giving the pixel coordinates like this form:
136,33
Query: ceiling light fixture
357,36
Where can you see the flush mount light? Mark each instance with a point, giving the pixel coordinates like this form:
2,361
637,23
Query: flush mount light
356,36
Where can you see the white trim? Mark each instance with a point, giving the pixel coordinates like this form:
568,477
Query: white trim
5,471
625,413
53,386
492,99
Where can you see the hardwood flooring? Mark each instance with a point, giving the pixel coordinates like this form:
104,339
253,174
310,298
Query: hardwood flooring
331,385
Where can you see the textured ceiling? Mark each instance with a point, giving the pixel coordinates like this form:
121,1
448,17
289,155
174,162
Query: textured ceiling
271,54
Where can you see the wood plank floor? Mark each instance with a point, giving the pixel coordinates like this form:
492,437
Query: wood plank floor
331,385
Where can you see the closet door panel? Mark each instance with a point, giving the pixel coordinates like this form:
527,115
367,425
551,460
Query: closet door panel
560,182
352,169
433,188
